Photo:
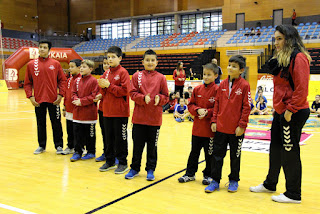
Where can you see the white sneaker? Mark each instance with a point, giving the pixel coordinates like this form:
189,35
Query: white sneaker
260,188
68,151
39,150
284,199
59,150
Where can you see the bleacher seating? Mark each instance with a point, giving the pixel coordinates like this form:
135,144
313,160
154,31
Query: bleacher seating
166,62
315,63
104,44
14,44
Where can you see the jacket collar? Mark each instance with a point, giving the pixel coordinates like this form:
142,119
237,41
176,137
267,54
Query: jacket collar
115,68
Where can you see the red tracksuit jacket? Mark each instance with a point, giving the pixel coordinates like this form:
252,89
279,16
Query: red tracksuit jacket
231,111
283,96
86,89
116,97
203,97
182,75
100,108
68,98
45,75
153,83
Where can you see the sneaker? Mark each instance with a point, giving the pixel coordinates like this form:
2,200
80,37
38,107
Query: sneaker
88,156
68,151
284,199
186,178
75,157
260,188
39,150
178,119
59,150
150,175
121,169
84,151
233,186
212,187
206,180
131,174
101,158
190,119
105,167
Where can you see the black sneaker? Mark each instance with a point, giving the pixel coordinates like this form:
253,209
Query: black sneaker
121,169
206,180
105,167
186,178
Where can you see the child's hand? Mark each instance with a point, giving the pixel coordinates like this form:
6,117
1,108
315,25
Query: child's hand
34,102
202,113
287,115
58,100
97,98
76,102
103,83
147,98
213,127
239,131
156,100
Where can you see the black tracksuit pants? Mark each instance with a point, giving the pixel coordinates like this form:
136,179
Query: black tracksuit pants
197,144
85,135
285,152
71,142
141,135
116,140
220,143
55,118
179,88
102,127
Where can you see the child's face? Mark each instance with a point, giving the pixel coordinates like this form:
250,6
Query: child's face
44,50
209,76
150,62
113,59
234,70
73,68
85,70
259,93
173,96
182,102
181,66
105,65
177,95
261,100
190,90
317,98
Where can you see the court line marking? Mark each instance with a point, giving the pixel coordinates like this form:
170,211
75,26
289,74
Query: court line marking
139,190
15,209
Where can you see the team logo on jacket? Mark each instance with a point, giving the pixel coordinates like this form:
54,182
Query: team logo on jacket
116,77
51,67
238,92
223,89
36,67
211,99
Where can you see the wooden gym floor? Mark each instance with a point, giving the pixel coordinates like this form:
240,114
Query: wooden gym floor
50,183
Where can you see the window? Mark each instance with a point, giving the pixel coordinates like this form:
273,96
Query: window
209,21
155,26
115,30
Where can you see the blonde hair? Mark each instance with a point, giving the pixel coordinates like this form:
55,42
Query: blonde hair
292,41
90,63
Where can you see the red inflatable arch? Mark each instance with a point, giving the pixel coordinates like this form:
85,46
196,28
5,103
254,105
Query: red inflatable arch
23,55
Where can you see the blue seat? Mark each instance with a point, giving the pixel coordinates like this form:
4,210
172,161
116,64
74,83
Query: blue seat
259,40
235,41
270,27
266,40
314,23
306,27
246,41
263,27
299,28
308,23
240,41
301,24
229,42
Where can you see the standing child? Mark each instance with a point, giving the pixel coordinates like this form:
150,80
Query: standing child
85,114
149,91
229,121
115,86
74,71
201,107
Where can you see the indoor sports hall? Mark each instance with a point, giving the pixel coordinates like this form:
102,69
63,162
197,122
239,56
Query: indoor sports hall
191,31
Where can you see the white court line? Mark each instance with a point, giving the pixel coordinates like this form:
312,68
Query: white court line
18,118
15,209
14,112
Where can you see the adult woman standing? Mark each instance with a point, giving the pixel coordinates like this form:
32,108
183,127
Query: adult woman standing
179,76
290,68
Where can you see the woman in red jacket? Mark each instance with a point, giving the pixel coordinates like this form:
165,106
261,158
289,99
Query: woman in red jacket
290,68
179,76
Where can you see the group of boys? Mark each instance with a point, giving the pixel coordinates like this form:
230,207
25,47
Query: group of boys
215,124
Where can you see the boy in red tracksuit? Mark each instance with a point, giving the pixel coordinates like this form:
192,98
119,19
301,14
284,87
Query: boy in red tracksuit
201,107
115,86
45,75
149,91
229,121
74,68
85,112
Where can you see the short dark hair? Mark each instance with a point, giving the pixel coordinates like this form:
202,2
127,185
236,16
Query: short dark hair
76,61
116,50
46,42
240,60
213,67
149,52
189,87
186,95
181,98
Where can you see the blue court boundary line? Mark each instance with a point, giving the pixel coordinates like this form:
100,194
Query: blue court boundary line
139,190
